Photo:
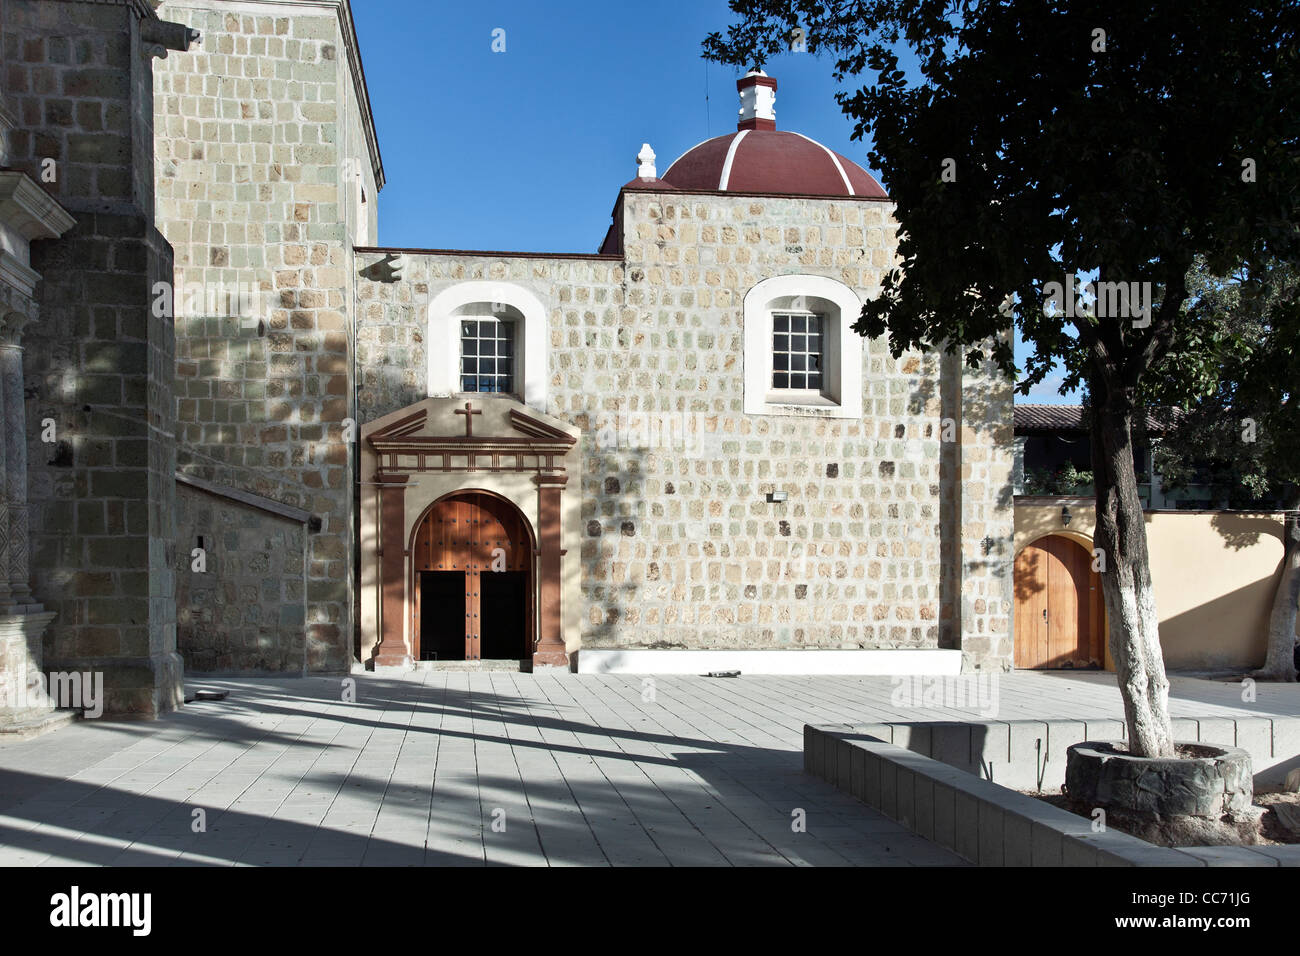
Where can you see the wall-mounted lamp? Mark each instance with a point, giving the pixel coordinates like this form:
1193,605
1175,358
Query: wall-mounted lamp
1065,516
776,497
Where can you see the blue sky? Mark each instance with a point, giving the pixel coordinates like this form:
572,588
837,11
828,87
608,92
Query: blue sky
525,150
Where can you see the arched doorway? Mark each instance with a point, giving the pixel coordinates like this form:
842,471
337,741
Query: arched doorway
1060,617
472,578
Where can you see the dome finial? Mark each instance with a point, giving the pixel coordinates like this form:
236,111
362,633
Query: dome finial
646,163
757,100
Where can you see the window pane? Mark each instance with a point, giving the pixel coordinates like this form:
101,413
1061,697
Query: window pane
487,355
798,350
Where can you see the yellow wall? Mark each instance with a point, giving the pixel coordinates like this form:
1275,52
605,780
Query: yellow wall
1215,574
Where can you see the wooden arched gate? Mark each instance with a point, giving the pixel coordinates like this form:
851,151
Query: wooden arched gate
472,581
1060,615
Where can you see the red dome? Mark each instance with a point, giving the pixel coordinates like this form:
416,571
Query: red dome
770,161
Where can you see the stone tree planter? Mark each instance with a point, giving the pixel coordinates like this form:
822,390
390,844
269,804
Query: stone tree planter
1202,797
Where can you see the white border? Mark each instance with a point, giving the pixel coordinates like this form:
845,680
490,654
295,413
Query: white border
758,346
443,339
731,157
834,159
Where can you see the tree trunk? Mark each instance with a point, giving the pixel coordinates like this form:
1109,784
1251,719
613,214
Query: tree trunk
1280,662
1134,635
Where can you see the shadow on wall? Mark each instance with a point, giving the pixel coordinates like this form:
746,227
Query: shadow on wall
243,612
1240,531
613,506
1229,632
943,396
256,412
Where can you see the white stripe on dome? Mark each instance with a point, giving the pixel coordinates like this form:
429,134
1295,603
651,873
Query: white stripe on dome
834,159
731,155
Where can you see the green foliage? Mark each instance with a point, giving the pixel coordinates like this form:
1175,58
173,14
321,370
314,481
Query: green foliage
1067,480
1125,162
1234,368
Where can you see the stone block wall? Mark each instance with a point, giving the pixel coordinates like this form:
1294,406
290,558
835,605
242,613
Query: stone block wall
243,613
681,548
99,362
72,73
260,146
987,520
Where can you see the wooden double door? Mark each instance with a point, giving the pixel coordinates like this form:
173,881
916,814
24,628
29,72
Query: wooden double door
1060,614
472,562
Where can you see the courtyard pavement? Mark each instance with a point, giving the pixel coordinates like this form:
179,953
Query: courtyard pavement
438,768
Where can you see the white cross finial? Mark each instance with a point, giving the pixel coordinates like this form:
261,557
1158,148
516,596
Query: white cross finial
646,163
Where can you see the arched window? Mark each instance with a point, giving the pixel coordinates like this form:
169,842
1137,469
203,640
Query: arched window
488,337
802,356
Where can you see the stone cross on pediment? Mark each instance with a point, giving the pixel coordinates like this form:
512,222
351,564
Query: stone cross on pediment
469,411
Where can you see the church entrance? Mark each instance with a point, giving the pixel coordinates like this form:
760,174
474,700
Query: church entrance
472,562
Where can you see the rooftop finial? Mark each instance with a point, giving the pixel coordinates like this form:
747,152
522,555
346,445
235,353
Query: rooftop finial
646,163
757,100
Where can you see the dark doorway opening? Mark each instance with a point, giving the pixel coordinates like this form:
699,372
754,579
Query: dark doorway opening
442,615
504,606
472,578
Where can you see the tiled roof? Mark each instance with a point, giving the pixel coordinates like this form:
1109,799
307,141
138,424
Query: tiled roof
1049,418
770,161
1031,419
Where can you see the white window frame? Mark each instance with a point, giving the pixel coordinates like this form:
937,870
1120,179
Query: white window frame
443,338
841,393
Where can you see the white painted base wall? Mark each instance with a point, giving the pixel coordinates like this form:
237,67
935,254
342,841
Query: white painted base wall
870,662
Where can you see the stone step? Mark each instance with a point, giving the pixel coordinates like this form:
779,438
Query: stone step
511,666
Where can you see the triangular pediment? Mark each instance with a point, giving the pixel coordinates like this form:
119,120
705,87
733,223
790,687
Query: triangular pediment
402,428
479,422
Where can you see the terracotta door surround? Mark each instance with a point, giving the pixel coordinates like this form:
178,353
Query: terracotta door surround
470,531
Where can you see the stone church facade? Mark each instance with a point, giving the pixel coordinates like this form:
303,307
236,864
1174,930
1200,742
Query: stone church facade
671,453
